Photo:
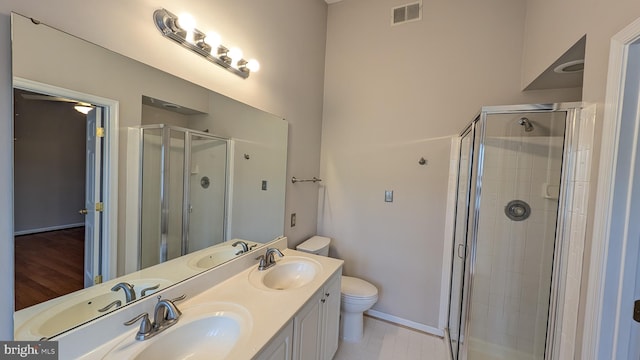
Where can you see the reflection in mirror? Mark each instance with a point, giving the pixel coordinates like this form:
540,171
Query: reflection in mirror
248,147
184,173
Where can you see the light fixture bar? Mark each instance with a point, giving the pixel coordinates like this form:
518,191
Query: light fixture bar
168,25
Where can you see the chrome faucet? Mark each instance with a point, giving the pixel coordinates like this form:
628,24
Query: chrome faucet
268,259
116,303
129,293
245,246
165,315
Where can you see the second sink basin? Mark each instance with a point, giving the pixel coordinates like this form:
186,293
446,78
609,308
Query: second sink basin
290,272
206,331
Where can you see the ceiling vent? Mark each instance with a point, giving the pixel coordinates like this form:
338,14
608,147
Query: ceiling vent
406,13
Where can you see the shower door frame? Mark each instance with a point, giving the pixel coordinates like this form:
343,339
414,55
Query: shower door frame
560,252
164,173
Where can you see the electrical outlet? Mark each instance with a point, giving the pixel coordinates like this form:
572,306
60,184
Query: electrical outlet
264,185
293,219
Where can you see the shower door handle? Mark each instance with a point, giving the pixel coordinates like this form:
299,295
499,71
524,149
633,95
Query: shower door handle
461,246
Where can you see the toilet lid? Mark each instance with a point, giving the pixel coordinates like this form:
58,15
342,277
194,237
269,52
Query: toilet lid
354,287
314,243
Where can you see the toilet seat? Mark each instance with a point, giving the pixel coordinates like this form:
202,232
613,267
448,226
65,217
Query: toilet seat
357,289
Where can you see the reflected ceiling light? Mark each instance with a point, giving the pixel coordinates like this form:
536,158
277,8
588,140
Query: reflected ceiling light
83,108
183,31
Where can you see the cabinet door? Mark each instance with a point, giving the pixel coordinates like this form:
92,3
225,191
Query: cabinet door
306,328
331,317
280,347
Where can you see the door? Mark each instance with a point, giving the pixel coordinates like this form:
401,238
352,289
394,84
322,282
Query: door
206,192
93,199
460,242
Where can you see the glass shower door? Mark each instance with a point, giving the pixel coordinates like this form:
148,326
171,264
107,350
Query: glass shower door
514,245
207,180
456,314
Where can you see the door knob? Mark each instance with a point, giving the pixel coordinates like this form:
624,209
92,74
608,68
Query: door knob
83,211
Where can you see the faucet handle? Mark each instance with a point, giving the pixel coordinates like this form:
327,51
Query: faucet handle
263,262
145,325
179,298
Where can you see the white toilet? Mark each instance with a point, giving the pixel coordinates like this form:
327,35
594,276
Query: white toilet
357,296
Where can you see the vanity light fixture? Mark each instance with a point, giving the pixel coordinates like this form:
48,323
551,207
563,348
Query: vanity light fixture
183,31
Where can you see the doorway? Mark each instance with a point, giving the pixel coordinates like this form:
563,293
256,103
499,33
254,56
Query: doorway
61,181
612,321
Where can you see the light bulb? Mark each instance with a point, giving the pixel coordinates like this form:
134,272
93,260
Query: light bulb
253,65
213,39
235,54
186,22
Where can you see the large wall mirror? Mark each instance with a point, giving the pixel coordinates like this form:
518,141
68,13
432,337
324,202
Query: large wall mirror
127,179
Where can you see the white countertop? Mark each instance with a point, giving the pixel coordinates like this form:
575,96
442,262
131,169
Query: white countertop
270,310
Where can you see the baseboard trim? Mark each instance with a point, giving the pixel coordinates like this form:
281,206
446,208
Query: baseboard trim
406,323
50,228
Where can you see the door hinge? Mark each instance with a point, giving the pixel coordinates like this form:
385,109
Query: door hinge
99,206
100,132
97,279
636,310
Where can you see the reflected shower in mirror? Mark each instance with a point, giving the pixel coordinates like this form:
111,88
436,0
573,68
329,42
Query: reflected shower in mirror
122,95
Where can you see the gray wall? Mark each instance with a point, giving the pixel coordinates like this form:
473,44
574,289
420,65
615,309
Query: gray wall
414,86
286,36
49,165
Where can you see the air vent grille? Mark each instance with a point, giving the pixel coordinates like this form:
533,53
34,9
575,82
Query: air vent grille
406,13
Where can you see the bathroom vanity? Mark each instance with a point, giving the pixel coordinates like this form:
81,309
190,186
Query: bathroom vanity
235,311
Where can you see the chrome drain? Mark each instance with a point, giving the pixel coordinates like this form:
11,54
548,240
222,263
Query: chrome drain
517,210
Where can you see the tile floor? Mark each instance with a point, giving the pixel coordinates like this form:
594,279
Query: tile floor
385,341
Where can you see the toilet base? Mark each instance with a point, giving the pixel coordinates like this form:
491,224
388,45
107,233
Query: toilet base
351,326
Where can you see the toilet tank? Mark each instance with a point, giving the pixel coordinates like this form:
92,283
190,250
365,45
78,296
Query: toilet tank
318,245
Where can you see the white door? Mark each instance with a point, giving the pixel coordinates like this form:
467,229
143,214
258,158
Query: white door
617,232
93,202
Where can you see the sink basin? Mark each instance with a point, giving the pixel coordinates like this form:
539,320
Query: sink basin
213,258
290,272
206,331
79,308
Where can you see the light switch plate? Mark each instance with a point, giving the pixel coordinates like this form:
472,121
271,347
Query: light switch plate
388,195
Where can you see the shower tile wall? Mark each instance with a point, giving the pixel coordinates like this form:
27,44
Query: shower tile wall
512,275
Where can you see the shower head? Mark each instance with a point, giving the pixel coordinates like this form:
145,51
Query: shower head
528,127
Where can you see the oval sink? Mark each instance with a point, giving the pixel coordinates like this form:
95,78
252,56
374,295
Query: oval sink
206,331
290,272
213,258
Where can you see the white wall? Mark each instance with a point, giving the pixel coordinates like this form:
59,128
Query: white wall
286,36
391,95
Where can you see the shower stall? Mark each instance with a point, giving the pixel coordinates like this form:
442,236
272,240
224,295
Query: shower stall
183,192
508,237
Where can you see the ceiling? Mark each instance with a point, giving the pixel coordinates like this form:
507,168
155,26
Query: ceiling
550,79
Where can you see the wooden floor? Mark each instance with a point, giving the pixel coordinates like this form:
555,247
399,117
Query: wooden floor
48,265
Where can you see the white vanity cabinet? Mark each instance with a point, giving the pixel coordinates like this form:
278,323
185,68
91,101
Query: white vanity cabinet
316,325
330,317
280,347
